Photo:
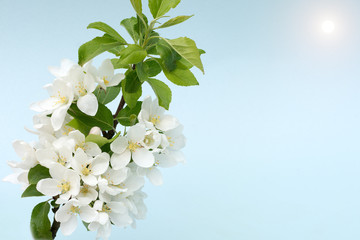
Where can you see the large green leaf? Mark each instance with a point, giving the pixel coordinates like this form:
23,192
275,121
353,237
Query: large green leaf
37,173
76,124
159,7
99,140
188,50
129,25
162,92
168,55
116,50
132,55
40,224
132,83
98,45
107,95
181,77
103,118
174,21
141,72
118,64
130,98
107,29
31,191
137,6
128,116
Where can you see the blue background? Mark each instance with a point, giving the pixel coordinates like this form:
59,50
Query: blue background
273,129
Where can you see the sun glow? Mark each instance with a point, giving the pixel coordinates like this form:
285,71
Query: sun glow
328,26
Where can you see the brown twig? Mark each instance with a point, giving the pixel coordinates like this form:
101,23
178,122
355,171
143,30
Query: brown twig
55,225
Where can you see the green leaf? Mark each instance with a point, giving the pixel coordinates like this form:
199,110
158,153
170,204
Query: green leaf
141,72
174,21
31,191
76,124
118,64
103,118
159,7
188,50
107,29
137,6
129,25
168,55
98,45
181,77
99,140
116,50
86,225
132,54
40,223
130,98
108,95
133,83
128,116
152,67
37,173
162,92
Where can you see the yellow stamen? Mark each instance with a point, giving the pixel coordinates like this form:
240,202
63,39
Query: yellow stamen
86,170
133,146
155,119
106,82
64,186
74,209
106,209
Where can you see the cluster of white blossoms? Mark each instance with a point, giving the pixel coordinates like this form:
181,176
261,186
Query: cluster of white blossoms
102,187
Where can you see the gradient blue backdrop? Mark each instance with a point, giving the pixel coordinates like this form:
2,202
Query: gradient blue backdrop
273,129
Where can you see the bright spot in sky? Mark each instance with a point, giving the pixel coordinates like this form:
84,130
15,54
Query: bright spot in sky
328,26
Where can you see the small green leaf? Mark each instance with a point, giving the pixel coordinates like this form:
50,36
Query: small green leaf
141,72
116,50
188,50
77,124
107,29
174,21
31,191
130,98
98,45
128,116
37,173
132,54
40,223
129,25
108,95
133,83
118,64
152,67
181,77
160,7
168,55
162,92
99,140
86,225
103,118
137,6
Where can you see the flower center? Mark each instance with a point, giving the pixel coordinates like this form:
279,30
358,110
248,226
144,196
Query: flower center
106,209
62,160
64,186
86,170
133,146
80,88
171,142
106,82
155,119
84,189
74,209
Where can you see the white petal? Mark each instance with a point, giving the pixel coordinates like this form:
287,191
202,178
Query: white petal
57,171
155,176
118,207
100,164
89,83
119,161
92,149
136,133
143,158
58,117
48,187
121,220
46,157
119,145
88,104
167,122
90,180
69,227
116,79
106,69
63,214
87,214
103,218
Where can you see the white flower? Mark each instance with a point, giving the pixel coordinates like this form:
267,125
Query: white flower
152,115
176,140
61,98
26,153
89,148
109,182
116,212
84,84
20,176
152,139
153,174
62,71
128,147
64,181
66,215
89,168
106,77
49,156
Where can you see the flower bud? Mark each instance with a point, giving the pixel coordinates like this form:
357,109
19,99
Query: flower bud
95,131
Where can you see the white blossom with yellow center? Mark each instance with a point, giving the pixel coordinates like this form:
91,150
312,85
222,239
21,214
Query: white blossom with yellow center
130,147
106,77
